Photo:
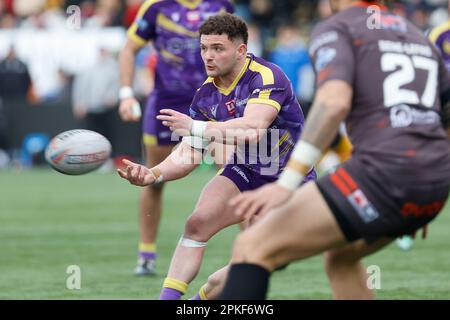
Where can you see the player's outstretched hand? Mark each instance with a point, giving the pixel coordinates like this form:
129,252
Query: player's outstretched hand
259,201
136,174
176,121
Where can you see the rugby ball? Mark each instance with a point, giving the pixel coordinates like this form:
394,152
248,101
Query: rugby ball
76,152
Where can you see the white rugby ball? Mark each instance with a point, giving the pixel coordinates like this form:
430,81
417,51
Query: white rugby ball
77,151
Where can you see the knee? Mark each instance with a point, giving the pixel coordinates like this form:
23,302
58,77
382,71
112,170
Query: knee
195,227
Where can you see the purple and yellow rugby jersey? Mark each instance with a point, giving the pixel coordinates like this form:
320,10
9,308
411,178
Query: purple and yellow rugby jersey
264,83
440,36
173,27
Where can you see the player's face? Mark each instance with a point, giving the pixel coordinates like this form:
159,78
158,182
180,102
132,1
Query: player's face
219,54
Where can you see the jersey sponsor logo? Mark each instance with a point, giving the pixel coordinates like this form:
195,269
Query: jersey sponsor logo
193,16
363,207
240,173
241,102
322,39
358,200
214,110
393,23
231,107
403,116
419,210
324,57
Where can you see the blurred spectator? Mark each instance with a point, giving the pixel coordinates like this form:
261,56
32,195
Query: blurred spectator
15,80
15,85
255,44
291,55
95,96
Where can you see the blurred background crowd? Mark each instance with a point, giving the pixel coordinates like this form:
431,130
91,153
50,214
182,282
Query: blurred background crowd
59,69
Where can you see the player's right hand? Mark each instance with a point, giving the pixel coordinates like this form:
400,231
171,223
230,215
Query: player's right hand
129,110
136,174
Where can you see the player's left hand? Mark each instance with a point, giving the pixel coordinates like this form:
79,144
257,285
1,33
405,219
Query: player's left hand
259,201
176,121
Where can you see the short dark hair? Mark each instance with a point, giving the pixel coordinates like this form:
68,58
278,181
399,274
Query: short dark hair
226,23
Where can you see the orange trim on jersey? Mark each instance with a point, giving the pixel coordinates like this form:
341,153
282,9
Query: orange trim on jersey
340,184
347,179
366,4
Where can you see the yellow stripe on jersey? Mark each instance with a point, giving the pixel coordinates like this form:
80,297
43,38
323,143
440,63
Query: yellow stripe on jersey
189,4
228,90
436,32
171,56
133,36
446,46
265,72
269,102
168,24
264,94
133,28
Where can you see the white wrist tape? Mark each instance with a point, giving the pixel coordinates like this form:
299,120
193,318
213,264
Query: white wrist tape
157,174
198,128
305,154
126,92
290,179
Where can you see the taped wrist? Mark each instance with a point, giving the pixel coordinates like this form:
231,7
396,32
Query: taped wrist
303,158
198,128
157,174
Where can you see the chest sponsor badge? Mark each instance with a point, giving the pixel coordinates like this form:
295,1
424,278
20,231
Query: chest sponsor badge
231,107
193,16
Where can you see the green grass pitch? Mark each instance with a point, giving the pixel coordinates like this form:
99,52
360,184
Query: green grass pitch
49,222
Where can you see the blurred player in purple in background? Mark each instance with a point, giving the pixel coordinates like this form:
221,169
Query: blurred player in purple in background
172,26
440,36
242,92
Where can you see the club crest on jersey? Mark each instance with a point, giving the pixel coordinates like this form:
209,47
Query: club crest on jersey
231,107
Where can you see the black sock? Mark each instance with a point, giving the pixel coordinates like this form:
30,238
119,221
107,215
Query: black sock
246,282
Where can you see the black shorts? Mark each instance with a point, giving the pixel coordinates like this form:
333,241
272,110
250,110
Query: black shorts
370,203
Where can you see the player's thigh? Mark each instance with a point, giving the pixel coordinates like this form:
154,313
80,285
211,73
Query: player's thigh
155,154
302,227
212,208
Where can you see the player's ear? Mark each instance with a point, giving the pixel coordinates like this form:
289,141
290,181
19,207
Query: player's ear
242,50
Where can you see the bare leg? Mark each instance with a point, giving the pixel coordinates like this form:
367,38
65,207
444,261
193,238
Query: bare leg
299,229
346,273
150,206
211,215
